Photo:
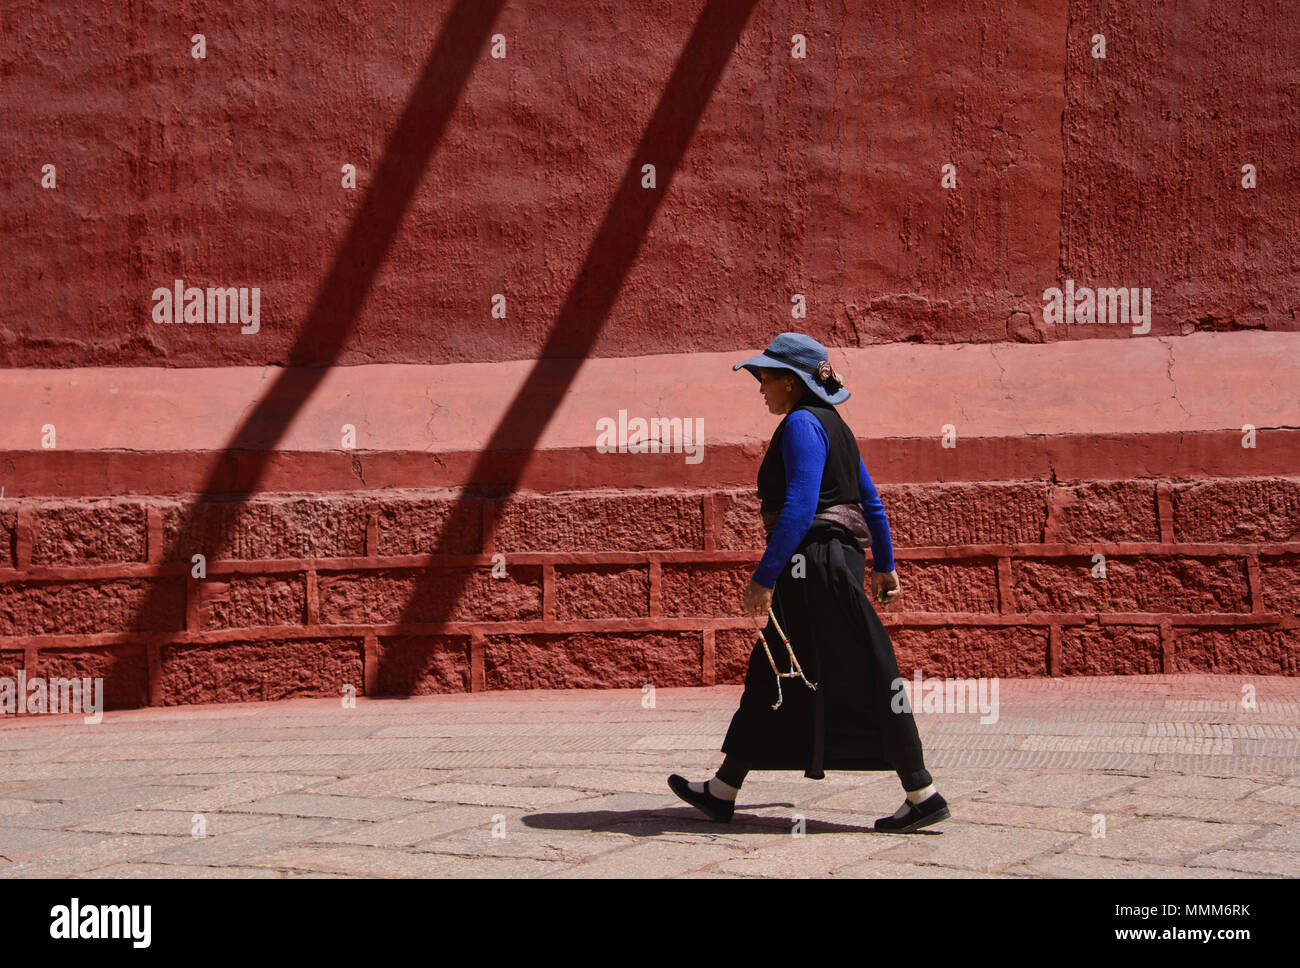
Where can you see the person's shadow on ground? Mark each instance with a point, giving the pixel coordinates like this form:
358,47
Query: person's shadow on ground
686,819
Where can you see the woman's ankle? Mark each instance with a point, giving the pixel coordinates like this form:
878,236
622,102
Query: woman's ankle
921,795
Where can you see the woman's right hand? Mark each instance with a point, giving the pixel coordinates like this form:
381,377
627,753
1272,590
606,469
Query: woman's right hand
757,601
884,587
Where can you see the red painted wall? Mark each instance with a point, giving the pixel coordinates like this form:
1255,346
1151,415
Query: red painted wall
775,175
522,176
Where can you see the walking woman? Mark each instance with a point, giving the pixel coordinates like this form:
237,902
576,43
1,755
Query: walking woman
832,706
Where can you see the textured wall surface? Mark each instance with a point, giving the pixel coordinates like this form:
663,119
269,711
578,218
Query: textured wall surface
522,175
321,593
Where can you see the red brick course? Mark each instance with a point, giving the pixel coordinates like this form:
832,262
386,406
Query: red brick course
397,594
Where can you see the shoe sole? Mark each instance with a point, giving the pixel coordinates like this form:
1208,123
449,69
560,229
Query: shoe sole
941,814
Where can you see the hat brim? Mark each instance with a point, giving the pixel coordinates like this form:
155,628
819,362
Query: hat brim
763,361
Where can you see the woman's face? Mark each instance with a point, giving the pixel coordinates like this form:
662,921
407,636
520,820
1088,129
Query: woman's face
780,388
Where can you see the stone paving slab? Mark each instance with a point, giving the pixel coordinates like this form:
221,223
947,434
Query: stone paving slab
414,828
1251,861
628,780
1060,789
323,805
1129,744
72,860
68,813
178,823
142,871
377,862
1072,760
887,871
989,848
1242,730
507,835
86,771
495,796
236,789
236,848
323,731
819,855
1079,821
1119,777
1281,838
1173,839
653,858
1207,787
1023,726
1072,865
20,843
1198,808
1282,793
58,790
381,782
1238,764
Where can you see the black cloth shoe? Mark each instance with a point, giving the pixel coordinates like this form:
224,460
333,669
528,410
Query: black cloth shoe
715,808
930,810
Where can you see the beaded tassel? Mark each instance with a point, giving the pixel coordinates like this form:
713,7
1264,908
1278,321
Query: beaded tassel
795,670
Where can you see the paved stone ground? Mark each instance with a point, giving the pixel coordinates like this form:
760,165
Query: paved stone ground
573,784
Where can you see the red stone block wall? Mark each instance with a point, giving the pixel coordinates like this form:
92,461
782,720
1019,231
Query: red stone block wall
395,594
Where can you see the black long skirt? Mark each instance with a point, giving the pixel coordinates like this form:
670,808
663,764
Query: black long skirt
855,718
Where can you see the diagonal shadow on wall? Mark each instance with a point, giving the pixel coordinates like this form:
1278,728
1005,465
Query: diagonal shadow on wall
582,316
339,299
436,595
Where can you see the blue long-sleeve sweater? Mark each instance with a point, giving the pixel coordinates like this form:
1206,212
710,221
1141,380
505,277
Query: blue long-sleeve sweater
804,447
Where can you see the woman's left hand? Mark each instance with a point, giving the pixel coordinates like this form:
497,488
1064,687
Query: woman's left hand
885,587
757,600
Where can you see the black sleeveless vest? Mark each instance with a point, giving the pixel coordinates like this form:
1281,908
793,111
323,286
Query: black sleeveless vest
840,474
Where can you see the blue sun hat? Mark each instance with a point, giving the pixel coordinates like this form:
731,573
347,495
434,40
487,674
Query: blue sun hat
806,357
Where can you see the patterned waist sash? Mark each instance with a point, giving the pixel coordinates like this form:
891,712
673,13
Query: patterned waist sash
849,516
